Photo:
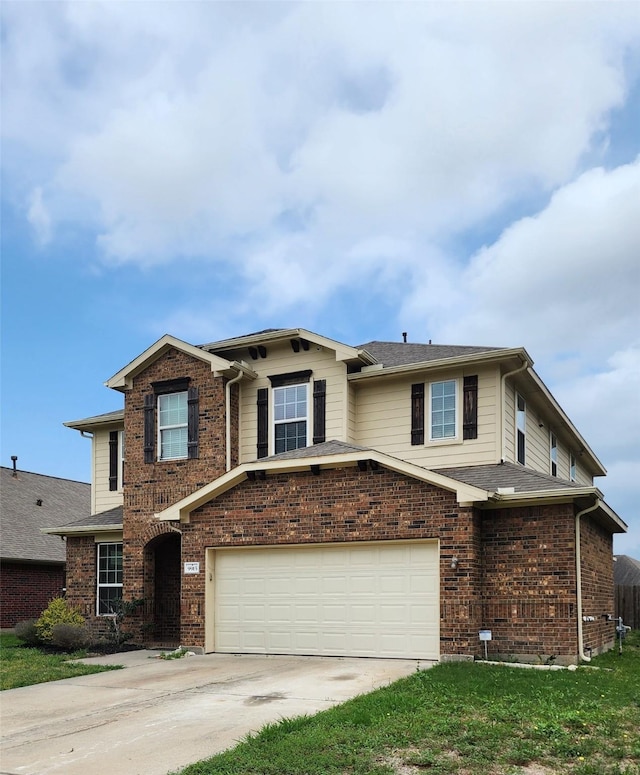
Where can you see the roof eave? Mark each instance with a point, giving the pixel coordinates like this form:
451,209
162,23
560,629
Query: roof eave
490,356
81,530
95,422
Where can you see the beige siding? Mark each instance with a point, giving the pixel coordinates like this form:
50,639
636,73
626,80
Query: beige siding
538,444
282,360
384,420
102,498
509,419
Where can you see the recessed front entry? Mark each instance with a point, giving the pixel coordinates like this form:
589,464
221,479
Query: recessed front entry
367,600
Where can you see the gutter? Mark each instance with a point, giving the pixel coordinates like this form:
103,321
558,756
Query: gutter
503,385
227,390
579,515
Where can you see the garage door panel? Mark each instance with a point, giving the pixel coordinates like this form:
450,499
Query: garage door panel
364,600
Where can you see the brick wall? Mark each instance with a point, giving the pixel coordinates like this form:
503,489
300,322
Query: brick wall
26,590
529,586
151,487
337,506
596,549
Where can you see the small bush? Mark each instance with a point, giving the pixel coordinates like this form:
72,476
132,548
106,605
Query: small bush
57,612
27,632
70,637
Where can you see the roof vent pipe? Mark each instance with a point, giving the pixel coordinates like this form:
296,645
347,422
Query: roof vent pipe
404,337
14,460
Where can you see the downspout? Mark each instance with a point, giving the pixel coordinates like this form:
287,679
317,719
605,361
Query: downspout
227,389
581,653
503,402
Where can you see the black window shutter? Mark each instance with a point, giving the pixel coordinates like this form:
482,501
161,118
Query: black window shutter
417,413
319,410
263,422
470,408
113,460
192,423
149,427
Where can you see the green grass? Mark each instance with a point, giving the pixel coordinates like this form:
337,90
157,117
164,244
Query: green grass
23,666
464,719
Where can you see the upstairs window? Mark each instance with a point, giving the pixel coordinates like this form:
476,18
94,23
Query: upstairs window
171,420
109,578
290,417
116,460
521,428
172,425
443,410
553,453
572,467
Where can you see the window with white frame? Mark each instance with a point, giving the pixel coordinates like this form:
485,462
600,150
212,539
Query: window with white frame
290,417
172,425
572,467
443,422
521,428
109,578
553,453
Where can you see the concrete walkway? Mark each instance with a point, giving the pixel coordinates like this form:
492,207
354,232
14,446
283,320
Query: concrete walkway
157,716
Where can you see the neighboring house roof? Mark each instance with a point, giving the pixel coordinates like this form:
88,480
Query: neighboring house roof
626,570
402,353
23,519
104,521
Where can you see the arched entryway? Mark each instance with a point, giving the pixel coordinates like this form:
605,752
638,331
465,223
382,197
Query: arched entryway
162,590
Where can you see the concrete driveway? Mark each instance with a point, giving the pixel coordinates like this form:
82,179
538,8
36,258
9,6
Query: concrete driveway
157,716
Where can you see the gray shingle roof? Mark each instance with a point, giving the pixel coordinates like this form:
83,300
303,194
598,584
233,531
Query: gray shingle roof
317,450
402,353
21,518
491,477
107,519
626,570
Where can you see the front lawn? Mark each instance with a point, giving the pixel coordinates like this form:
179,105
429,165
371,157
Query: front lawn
463,718
24,665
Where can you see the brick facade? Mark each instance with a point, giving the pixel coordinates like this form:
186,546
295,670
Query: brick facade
596,549
342,505
26,590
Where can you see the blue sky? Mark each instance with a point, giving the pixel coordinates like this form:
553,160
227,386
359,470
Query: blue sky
468,173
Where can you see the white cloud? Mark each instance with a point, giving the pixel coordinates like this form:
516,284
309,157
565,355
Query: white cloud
190,130
39,217
563,281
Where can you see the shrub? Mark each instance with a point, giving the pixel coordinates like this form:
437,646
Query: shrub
70,637
27,632
57,612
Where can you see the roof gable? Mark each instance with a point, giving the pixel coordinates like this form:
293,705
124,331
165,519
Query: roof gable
123,379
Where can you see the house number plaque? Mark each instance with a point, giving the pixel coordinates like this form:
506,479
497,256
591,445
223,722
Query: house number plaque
192,567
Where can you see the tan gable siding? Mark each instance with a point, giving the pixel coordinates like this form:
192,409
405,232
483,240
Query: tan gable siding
384,421
102,498
281,360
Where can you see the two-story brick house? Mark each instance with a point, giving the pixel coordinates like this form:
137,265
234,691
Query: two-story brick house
282,492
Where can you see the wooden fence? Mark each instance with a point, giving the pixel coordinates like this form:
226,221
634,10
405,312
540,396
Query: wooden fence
628,604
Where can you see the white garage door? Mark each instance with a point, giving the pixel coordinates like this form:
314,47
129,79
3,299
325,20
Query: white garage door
350,600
